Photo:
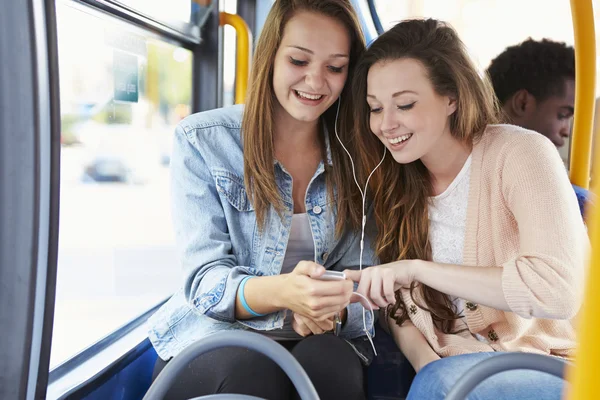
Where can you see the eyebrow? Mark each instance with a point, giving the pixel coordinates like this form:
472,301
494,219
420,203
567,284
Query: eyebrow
304,49
395,94
569,109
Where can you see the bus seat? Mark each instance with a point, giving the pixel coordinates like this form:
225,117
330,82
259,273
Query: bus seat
251,341
390,374
583,196
127,379
388,377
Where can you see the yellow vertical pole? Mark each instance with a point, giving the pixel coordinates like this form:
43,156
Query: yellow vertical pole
584,376
585,73
243,50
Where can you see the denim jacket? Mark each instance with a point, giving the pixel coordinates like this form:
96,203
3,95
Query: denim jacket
220,243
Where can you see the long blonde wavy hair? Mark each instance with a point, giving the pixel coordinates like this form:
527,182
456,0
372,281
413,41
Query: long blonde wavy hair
400,193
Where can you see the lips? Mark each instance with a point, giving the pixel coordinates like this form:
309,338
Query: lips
399,139
397,142
308,98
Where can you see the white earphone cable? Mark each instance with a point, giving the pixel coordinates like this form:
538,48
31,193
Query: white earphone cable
363,221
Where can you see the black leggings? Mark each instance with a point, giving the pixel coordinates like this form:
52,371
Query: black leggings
331,364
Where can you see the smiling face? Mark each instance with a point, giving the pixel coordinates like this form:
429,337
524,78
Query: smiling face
407,115
310,72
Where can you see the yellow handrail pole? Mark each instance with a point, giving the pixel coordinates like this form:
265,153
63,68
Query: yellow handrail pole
584,376
585,85
243,52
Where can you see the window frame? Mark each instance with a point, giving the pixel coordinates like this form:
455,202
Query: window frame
180,31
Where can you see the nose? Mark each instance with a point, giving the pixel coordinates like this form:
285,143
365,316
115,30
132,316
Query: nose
565,129
389,121
315,79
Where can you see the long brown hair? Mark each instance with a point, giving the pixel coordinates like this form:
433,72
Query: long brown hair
258,116
400,193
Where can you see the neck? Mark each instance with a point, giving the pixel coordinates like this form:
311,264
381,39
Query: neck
445,161
291,134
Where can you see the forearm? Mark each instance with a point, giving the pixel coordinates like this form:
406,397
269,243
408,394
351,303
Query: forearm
481,285
263,296
412,343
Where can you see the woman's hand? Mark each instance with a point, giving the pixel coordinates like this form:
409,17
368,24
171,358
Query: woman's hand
379,283
305,326
318,300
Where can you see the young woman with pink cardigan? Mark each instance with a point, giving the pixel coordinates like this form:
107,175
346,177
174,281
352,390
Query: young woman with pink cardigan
479,229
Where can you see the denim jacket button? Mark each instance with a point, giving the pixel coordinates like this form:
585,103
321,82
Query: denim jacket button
324,256
317,210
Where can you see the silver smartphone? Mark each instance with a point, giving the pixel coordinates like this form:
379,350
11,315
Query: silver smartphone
332,276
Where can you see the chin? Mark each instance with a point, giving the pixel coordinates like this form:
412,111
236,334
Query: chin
403,158
306,116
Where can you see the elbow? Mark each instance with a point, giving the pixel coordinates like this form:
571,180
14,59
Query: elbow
572,311
207,296
531,294
564,308
564,296
557,310
569,301
562,302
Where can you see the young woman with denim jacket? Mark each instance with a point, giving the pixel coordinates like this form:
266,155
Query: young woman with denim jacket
478,223
258,215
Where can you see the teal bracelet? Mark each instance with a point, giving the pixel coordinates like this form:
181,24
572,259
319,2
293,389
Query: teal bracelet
243,299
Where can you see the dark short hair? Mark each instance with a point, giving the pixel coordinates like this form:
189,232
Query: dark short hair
540,67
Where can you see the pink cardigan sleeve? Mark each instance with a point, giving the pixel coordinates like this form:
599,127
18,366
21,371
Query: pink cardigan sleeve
545,280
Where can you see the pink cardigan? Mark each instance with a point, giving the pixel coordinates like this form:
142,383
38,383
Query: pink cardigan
523,216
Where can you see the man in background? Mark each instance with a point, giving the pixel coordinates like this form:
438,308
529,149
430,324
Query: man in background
535,83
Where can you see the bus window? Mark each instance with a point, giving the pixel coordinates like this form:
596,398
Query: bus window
229,54
123,91
173,10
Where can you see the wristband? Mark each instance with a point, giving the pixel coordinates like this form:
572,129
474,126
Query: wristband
243,299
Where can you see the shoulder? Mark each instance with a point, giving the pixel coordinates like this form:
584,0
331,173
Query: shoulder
506,137
509,143
517,157
218,124
227,117
216,136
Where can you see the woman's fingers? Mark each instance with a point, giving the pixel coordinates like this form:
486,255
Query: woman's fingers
353,274
305,326
388,290
299,326
326,312
325,325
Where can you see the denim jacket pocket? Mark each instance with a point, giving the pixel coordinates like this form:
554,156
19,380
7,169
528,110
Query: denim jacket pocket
231,187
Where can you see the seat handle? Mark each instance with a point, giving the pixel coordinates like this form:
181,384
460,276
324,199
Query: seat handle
247,340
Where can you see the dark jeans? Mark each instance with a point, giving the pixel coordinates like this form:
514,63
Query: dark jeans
332,365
